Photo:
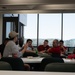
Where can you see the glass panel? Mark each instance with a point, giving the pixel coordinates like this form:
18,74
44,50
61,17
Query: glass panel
10,15
23,18
7,15
49,27
10,26
8,29
30,30
69,29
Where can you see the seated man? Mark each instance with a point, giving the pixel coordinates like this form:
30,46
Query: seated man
62,47
30,47
72,56
11,49
55,50
43,48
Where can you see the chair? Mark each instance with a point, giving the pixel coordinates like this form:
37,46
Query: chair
16,63
5,66
48,60
60,67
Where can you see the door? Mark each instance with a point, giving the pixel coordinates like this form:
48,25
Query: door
9,24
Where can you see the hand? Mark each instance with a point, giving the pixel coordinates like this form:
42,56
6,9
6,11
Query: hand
25,46
48,49
62,47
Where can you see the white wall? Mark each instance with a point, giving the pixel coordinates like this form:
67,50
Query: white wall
0,28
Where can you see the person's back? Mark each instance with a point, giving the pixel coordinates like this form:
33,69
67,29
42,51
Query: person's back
2,46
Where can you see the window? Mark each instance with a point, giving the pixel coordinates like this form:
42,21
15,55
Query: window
49,27
8,29
30,30
69,29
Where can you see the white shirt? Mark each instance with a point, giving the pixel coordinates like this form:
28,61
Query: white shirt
11,48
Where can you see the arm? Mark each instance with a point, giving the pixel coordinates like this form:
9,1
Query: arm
29,50
25,48
49,50
16,52
64,49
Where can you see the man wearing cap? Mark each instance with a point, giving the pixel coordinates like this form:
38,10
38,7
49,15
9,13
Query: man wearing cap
11,49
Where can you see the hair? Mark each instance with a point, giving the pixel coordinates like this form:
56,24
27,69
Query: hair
56,40
61,41
45,40
29,40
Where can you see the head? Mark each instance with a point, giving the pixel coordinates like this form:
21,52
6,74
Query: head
29,41
6,41
61,42
45,43
13,36
55,43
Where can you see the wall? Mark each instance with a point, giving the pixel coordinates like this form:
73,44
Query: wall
0,28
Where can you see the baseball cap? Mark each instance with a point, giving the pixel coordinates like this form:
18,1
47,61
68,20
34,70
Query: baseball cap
12,34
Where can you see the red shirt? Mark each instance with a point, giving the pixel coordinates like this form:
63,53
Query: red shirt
55,50
62,49
41,48
71,56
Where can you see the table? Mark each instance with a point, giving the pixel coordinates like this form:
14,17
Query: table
39,59
69,60
34,73
32,60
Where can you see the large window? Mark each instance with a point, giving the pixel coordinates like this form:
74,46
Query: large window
39,27
49,27
69,29
30,30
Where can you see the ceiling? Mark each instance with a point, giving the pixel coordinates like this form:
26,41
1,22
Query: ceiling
36,6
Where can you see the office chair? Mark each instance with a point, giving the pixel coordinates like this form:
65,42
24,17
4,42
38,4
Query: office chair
5,66
16,63
48,60
60,67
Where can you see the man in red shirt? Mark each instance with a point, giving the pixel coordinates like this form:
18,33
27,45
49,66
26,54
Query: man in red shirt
62,47
55,50
43,48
